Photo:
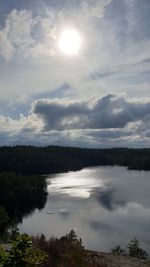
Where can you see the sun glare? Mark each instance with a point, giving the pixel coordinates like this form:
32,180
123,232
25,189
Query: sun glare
70,42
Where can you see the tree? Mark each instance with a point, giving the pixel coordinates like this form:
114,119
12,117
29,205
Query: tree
135,250
23,254
67,251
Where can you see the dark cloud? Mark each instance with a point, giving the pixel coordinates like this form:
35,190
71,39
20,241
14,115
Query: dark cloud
108,112
111,121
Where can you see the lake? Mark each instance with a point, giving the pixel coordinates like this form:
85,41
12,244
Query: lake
106,206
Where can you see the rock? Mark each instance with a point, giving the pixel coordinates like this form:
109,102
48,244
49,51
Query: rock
100,259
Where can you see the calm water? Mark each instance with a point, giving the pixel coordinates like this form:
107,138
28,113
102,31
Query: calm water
105,205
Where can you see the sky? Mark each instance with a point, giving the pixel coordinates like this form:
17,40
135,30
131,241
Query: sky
97,97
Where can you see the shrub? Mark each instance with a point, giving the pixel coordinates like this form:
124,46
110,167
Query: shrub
118,251
134,250
22,254
67,251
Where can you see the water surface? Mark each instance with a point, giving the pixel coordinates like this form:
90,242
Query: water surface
105,205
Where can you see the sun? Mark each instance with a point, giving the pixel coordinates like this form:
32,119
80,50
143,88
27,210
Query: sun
70,42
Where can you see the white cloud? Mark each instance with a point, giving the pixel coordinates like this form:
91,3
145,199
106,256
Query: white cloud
18,27
26,35
17,36
17,33
95,8
6,48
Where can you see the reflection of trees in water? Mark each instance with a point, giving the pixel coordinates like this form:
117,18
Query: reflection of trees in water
21,195
25,203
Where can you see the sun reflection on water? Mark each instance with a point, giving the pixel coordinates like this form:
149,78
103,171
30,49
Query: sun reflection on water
76,184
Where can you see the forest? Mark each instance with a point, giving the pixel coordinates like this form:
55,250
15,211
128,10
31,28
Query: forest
30,160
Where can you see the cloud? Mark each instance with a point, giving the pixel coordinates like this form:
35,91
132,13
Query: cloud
112,120
22,36
95,8
141,66
26,35
6,48
16,34
108,112
62,91
110,59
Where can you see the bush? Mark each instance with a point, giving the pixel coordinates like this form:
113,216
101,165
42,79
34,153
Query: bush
22,254
3,257
118,251
133,250
67,251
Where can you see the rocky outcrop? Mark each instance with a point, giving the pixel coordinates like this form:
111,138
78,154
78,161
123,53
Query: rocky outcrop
99,259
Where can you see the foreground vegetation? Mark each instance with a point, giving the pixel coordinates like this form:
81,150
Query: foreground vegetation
67,251
22,254
31,160
133,250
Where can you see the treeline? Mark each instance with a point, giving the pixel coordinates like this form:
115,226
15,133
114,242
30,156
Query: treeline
31,160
